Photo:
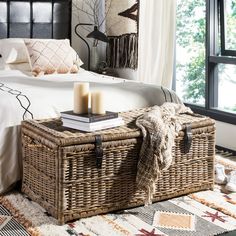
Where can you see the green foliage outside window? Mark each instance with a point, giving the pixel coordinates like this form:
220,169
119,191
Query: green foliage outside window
230,24
190,37
190,51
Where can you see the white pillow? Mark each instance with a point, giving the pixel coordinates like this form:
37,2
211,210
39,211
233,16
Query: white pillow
2,62
13,50
25,66
76,58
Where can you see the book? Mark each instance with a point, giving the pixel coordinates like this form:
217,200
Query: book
89,117
92,126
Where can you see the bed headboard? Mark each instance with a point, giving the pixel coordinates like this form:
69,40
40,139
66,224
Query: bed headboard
35,19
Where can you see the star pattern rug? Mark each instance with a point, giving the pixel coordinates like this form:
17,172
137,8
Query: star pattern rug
182,216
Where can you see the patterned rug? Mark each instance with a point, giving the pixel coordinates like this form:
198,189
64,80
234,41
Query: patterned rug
205,213
9,226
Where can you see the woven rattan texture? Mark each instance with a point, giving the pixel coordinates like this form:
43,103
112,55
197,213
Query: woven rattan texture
60,173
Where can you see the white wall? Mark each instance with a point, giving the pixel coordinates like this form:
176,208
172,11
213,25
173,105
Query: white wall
226,135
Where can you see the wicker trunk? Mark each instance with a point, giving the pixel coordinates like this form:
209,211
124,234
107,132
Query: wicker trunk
63,172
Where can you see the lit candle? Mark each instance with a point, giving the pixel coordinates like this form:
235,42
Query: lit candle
97,103
81,97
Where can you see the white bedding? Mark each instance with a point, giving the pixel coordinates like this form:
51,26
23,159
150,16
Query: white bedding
51,94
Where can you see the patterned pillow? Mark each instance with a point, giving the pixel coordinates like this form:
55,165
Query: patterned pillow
48,56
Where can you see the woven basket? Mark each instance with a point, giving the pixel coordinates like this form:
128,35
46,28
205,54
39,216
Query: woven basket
60,171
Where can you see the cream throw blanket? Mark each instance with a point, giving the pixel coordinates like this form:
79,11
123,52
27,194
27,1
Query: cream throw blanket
159,127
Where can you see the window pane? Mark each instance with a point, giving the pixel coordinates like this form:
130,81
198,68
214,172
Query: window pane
190,51
227,88
230,22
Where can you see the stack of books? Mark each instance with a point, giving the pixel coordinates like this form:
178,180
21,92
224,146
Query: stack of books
91,122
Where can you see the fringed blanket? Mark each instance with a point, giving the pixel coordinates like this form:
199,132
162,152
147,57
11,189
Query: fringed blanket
122,31
159,128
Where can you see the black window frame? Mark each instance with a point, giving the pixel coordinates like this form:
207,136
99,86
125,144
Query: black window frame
213,58
224,51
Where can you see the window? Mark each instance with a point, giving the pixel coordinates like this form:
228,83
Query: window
206,57
227,27
227,85
190,50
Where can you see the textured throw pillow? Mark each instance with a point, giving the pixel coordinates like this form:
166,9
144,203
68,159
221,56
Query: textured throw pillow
14,54
48,56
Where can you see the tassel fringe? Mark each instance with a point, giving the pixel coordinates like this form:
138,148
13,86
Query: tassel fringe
122,51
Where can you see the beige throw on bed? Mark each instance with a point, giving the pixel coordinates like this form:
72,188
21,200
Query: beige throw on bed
159,127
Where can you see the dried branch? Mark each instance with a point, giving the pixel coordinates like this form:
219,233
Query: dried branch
82,9
96,4
86,28
92,9
90,6
108,9
86,12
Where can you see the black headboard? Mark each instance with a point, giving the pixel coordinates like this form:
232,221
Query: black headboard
35,19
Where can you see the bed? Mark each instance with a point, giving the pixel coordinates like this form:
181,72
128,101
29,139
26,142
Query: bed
24,96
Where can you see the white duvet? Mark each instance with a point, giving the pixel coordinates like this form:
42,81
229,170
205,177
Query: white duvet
51,94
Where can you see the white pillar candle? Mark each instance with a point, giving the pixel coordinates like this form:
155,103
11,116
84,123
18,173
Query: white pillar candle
81,98
97,103
89,101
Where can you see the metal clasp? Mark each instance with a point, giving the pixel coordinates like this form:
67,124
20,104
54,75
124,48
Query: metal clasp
187,138
98,151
